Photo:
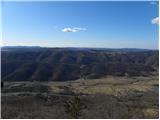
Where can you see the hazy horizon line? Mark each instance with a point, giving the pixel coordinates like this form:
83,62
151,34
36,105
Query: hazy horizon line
78,47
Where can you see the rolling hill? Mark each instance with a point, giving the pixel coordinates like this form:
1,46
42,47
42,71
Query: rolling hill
62,64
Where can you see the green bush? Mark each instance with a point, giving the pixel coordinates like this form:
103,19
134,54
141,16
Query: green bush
73,107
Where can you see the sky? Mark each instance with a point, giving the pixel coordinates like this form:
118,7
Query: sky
81,24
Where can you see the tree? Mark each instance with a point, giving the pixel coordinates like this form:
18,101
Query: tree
73,107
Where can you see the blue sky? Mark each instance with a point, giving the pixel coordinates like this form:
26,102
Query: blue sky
80,24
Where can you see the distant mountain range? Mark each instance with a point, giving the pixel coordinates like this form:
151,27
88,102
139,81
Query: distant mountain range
81,48
21,63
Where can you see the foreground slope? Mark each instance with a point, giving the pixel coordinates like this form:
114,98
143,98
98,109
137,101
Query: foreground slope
110,97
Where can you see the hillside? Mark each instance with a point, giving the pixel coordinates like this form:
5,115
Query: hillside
108,98
62,64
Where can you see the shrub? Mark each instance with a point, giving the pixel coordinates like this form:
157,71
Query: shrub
73,107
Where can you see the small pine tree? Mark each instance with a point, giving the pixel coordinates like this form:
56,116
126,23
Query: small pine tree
73,107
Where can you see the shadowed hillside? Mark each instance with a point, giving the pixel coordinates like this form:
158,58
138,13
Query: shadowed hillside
62,64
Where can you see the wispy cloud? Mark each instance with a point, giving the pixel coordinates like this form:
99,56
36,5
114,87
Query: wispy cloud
153,3
155,20
76,29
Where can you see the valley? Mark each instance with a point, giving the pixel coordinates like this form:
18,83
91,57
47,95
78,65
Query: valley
79,83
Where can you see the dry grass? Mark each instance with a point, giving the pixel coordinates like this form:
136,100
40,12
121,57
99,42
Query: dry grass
110,97
109,85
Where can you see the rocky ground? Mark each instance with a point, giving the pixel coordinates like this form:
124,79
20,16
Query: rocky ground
109,97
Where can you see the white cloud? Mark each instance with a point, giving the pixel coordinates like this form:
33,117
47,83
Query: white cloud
73,29
155,20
